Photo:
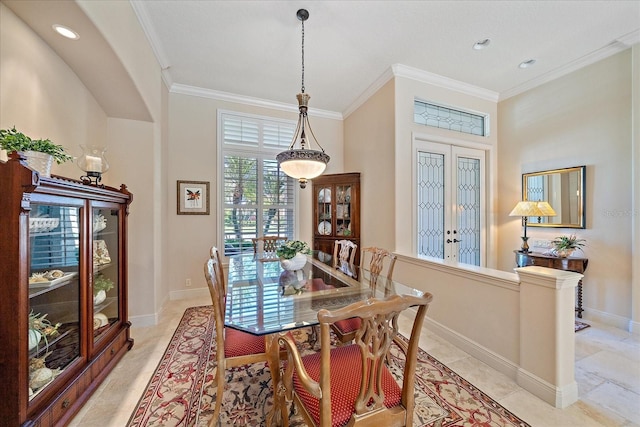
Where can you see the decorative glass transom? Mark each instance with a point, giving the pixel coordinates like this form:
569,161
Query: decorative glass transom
441,117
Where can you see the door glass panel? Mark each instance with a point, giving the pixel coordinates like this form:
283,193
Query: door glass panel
105,270
343,210
54,293
468,215
431,204
324,225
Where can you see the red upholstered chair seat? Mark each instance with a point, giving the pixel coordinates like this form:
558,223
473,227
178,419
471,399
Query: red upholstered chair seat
345,384
348,325
238,343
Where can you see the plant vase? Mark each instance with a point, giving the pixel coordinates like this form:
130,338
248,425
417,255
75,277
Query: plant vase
564,253
34,338
99,297
40,162
295,263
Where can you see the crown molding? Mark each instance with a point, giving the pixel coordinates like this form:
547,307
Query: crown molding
248,100
617,46
400,70
143,17
369,92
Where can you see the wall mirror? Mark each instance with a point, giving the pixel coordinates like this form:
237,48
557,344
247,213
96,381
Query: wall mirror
563,189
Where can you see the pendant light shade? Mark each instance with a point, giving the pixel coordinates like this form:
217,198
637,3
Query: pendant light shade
303,163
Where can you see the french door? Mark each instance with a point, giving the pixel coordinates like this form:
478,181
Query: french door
450,195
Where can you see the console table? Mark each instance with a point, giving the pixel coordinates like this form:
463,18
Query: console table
578,265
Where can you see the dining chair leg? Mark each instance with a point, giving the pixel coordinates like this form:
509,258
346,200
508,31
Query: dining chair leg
219,396
278,414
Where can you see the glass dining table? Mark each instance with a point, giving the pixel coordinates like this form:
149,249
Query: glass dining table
264,299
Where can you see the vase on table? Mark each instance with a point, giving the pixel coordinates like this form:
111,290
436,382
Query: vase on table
295,263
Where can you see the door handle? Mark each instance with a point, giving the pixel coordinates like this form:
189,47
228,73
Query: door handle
449,240
456,241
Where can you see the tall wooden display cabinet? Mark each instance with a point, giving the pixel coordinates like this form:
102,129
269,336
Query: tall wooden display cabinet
336,210
63,292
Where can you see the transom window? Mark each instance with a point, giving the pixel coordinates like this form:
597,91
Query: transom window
258,198
428,114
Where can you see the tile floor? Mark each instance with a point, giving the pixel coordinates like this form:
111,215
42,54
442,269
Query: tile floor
607,372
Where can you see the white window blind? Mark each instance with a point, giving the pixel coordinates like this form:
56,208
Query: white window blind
258,198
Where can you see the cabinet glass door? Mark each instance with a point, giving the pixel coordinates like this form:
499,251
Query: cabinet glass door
323,222
54,292
343,210
106,311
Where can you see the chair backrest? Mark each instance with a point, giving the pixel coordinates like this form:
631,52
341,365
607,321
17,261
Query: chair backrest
378,258
344,251
266,246
379,327
214,253
212,268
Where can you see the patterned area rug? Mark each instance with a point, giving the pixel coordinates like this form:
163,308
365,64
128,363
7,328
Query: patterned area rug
180,392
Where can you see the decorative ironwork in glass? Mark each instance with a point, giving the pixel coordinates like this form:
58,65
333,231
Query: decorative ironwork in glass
428,114
468,198
431,204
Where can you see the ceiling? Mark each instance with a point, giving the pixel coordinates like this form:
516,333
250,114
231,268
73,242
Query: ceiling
241,48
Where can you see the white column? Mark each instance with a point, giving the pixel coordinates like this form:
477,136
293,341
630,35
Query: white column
547,336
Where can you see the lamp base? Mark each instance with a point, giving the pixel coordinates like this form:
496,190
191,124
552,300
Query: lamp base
525,245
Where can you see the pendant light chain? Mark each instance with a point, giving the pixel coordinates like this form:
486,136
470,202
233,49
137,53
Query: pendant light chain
302,88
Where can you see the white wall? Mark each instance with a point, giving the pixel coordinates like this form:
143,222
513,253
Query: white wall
583,118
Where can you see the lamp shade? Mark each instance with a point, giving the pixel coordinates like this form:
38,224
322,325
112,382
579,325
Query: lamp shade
529,208
303,164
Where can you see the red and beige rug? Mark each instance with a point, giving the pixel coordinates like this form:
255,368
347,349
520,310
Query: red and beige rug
180,392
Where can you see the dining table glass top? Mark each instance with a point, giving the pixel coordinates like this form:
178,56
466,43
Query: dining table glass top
263,298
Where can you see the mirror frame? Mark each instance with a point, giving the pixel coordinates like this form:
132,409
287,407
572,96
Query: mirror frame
581,222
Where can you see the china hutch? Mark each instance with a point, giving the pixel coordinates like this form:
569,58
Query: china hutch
336,211
63,284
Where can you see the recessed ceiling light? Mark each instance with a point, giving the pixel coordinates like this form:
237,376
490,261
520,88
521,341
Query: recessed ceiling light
66,32
482,44
528,63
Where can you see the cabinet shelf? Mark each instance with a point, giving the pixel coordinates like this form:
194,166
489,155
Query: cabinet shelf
35,289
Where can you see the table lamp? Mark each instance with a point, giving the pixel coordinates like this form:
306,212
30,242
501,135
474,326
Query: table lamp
527,208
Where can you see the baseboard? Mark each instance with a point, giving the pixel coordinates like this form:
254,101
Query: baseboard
190,293
609,319
144,320
559,397
476,350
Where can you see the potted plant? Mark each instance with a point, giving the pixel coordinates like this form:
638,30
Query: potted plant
39,153
564,246
40,327
101,285
292,254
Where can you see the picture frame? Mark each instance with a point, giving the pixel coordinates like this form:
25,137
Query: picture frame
193,197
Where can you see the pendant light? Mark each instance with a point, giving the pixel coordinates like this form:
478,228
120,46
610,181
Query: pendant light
303,163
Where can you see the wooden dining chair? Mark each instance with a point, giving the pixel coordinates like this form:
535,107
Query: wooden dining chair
266,246
352,384
377,259
233,347
344,251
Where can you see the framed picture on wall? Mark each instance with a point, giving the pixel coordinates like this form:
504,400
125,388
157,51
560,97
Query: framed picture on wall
193,197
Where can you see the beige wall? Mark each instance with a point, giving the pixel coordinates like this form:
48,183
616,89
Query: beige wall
193,155
583,118
41,96
369,149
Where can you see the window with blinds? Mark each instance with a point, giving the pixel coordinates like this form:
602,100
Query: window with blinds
258,198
